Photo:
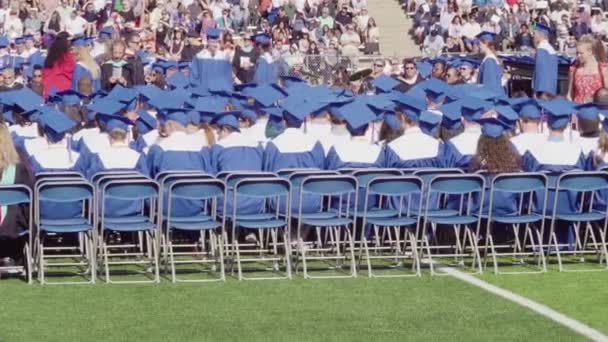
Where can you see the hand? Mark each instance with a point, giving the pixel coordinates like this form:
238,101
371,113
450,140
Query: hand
113,79
131,115
122,80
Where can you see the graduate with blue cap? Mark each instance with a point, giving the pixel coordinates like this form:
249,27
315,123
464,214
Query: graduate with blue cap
490,71
451,121
588,124
23,103
544,79
461,148
95,139
83,70
293,148
266,68
530,134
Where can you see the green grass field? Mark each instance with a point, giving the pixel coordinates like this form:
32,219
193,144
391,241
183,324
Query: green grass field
362,309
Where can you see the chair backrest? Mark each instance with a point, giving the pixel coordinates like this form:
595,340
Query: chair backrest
329,185
428,174
130,189
161,175
347,170
262,187
62,191
521,182
231,178
285,173
583,181
169,178
95,178
297,177
195,189
365,175
15,194
457,184
395,185
103,179
58,174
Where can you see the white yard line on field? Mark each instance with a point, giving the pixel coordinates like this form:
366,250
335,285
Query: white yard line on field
541,309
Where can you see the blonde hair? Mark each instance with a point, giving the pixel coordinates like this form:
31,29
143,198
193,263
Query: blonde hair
602,148
8,153
594,45
84,57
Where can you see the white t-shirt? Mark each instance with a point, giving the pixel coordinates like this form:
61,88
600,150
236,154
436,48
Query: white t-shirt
75,26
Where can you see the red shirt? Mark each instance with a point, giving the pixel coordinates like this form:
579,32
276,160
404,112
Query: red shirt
59,76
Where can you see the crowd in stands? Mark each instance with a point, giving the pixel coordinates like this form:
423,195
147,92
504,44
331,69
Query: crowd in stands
451,25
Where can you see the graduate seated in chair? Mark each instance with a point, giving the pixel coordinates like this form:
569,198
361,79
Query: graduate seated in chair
529,127
588,124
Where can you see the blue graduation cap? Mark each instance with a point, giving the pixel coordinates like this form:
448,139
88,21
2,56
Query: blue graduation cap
429,122
148,91
288,81
115,122
213,33
262,38
588,111
544,29
507,114
529,110
296,108
230,119
452,114
4,42
486,36
473,108
493,127
178,81
27,37
122,94
69,97
25,99
249,114
265,94
385,83
79,40
435,89
55,125
424,68
145,122
408,102
558,112
469,63
211,104
89,40
8,117
357,115
195,117
391,120
166,102
183,65
178,115
19,40
106,106
106,32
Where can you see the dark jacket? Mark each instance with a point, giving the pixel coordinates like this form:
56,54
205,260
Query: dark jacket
132,72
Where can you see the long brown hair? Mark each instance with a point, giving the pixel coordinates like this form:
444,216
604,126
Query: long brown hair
496,155
8,153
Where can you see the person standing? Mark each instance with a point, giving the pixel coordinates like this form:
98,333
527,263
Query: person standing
544,80
58,66
490,73
588,75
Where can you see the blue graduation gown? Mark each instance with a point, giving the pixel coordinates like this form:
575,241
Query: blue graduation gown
545,69
266,72
238,152
178,153
118,158
80,72
460,150
54,159
208,73
490,74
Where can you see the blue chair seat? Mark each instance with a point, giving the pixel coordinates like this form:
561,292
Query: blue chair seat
316,216
126,219
336,221
68,228
128,226
513,219
64,222
379,213
465,219
392,221
196,226
441,213
264,224
255,217
190,219
581,217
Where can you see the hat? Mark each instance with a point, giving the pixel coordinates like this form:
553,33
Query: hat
288,81
558,112
429,122
24,99
473,108
391,120
408,102
106,106
115,122
588,111
122,94
79,40
544,29
145,122
4,42
435,89
166,102
178,115
262,38
69,97
265,94
229,119
296,108
28,37
506,114
487,36
106,32
213,33
211,104
385,83
195,117
529,110
493,127
468,62
55,124
19,40
452,113
178,81
357,115
148,91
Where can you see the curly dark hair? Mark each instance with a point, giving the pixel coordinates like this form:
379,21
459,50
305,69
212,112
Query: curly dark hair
496,155
57,50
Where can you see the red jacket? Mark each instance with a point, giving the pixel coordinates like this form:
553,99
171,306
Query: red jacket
59,76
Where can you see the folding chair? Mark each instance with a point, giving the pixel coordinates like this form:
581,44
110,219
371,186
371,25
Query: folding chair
58,190
144,227
460,190
334,223
588,188
21,195
388,223
285,173
270,225
523,187
209,247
